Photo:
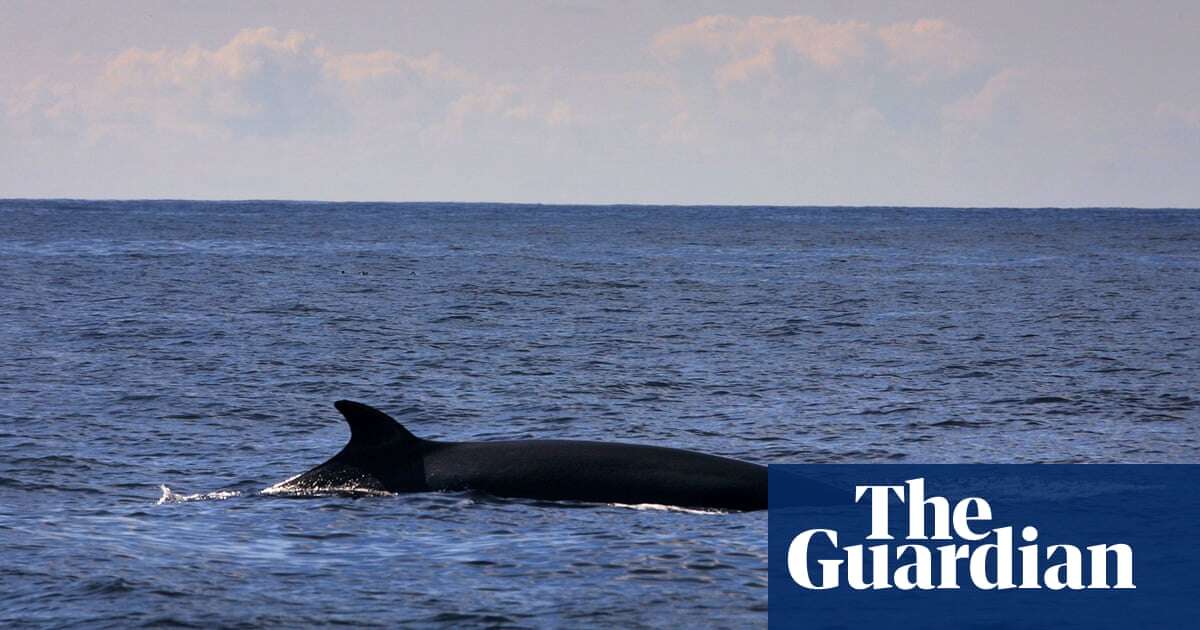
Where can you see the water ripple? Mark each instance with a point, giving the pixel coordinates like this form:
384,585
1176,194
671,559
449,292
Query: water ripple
200,345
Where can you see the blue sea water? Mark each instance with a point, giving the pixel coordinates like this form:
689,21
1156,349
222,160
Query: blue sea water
199,347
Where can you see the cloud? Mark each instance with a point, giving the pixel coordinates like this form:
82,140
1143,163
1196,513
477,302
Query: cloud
979,107
745,48
42,109
387,65
480,109
486,101
929,48
821,94
264,83
749,46
260,82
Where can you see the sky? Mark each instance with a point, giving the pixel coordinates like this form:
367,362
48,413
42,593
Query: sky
856,102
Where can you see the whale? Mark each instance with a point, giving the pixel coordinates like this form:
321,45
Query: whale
383,457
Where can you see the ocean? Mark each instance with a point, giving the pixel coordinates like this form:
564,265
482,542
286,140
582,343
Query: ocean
163,361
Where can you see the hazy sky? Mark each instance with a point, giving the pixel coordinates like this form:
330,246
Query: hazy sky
797,103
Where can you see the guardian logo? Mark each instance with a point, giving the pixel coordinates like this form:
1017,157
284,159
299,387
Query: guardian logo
954,546
989,558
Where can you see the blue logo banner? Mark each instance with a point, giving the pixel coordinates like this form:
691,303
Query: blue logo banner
984,546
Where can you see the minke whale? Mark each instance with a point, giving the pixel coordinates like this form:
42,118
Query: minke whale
384,457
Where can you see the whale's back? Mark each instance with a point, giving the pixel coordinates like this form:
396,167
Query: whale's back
383,456
603,472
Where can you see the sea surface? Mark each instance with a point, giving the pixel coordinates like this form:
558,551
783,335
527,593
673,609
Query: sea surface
164,361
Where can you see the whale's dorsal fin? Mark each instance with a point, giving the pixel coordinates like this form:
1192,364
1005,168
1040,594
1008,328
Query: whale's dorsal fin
371,427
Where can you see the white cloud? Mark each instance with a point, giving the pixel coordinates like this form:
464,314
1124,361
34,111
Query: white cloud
744,48
43,109
979,107
264,83
384,65
260,82
929,48
489,100
747,46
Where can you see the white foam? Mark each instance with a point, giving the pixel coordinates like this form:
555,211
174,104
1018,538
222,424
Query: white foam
324,491
170,496
279,487
665,508
282,489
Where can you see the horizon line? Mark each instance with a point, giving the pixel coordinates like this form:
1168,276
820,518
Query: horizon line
592,205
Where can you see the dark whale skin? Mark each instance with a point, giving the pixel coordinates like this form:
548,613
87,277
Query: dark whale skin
383,456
